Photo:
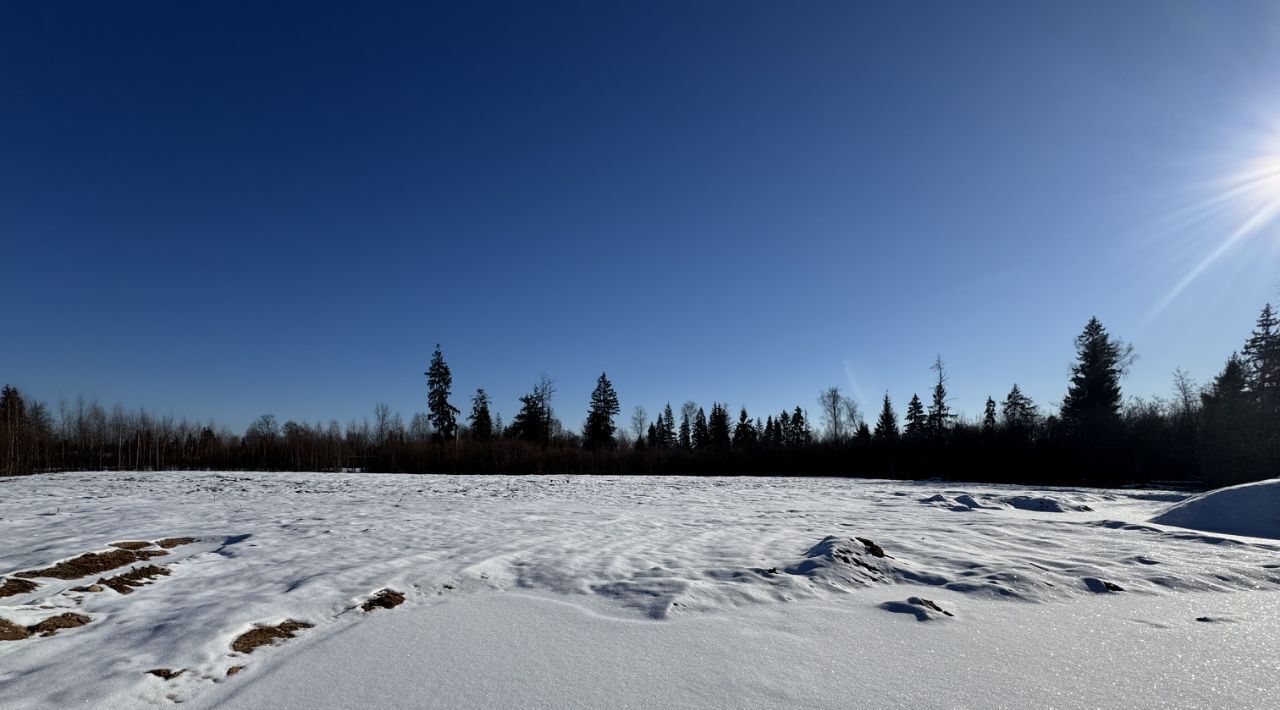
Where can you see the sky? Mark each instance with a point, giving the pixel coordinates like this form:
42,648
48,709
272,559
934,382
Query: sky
220,210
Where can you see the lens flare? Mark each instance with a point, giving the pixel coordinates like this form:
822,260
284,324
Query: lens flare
1242,206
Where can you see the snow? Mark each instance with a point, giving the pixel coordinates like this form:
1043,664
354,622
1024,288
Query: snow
635,592
1251,509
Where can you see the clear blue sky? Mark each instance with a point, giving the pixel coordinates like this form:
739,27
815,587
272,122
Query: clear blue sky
224,209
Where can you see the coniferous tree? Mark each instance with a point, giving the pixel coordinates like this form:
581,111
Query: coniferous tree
718,427
668,428
1230,451
887,424
940,416
915,418
785,433
654,439
1019,412
444,416
481,421
598,433
801,435
686,431
989,417
701,436
770,436
1262,359
535,421
745,434
1093,398
863,433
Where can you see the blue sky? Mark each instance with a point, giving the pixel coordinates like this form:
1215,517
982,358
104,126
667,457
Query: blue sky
225,209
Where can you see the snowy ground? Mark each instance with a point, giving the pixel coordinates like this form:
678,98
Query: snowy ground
563,592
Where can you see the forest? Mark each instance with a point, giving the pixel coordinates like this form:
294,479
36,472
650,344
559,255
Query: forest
1227,431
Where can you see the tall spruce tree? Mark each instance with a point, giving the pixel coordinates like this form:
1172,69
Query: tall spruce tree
989,417
666,427
887,424
481,421
444,416
915,419
1262,359
598,433
1093,398
940,416
745,434
718,434
701,436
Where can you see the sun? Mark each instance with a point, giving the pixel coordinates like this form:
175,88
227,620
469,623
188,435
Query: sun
1241,205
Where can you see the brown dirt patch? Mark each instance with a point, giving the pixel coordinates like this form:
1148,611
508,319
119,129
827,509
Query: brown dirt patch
92,588
92,563
266,635
384,599
50,626
171,542
10,631
12,587
136,577
234,670
132,545
167,673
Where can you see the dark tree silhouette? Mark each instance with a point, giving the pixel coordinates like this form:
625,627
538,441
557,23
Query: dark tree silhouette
745,435
598,433
1093,398
718,427
444,416
940,416
989,417
915,419
481,422
1019,412
887,424
701,435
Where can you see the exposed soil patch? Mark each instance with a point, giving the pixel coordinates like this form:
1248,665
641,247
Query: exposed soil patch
50,626
874,549
384,599
12,587
171,542
10,631
166,673
93,563
234,670
132,545
266,635
94,588
136,577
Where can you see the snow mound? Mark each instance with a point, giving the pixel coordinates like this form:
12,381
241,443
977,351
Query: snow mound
1251,509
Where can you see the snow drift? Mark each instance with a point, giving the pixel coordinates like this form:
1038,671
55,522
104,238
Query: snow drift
1251,509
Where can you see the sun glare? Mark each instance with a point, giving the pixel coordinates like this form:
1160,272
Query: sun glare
1241,206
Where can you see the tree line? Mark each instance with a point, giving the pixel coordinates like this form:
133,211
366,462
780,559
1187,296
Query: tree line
1225,432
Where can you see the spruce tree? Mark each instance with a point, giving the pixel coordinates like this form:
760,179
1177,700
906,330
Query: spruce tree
598,433
915,418
481,422
887,424
1262,360
745,434
718,426
701,437
863,433
444,416
1230,449
989,417
686,431
668,428
1093,398
940,416
1019,412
